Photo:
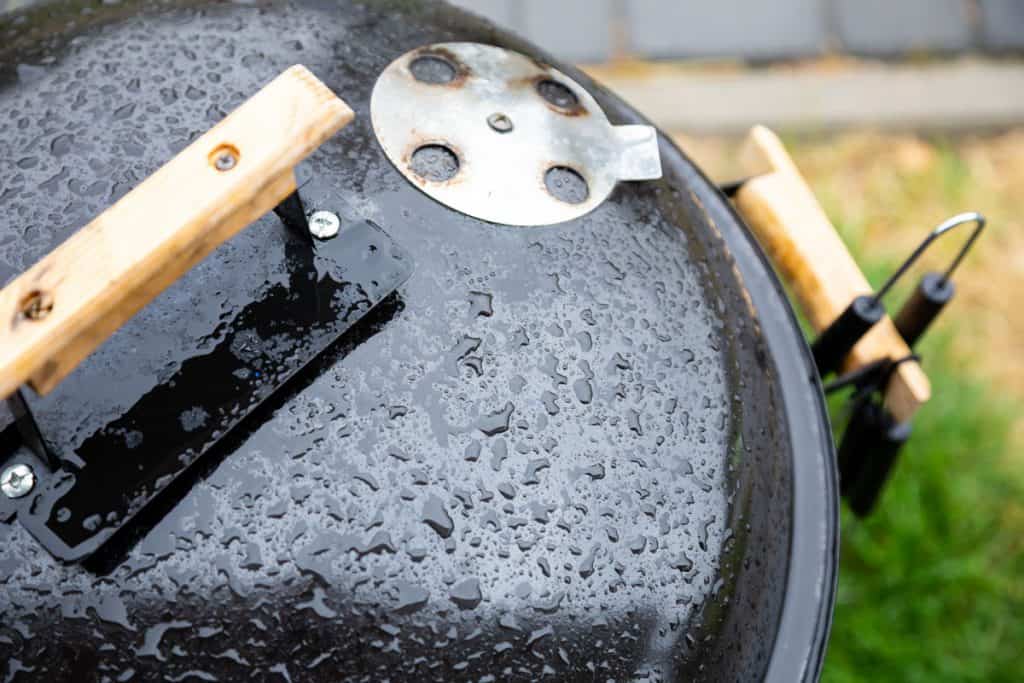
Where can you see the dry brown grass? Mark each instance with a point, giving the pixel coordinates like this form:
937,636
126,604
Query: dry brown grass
885,191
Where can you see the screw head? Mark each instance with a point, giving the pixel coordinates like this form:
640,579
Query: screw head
500,123
37,305
224,157
225,161
324,225
17,480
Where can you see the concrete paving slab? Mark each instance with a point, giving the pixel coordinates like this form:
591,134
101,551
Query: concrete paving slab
574,30
1002,24
960,95
675,28
885,27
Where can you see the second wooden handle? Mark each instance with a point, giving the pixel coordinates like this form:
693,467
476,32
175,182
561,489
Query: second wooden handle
56,313
791,226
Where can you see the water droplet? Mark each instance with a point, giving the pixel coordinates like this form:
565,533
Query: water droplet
520,338
508,622
411,598
550,401
124,112
540,633
253,558
584,391
61,145
499,452
533,468
480,304
550,367
466,594
368,479
496,422
437,518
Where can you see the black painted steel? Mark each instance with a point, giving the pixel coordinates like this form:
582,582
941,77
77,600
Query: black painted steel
836,340
148,433
593,450
867,453
28,429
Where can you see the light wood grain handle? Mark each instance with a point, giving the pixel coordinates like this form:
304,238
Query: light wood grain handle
57,312
798,237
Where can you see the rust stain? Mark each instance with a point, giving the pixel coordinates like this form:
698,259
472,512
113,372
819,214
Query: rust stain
462,71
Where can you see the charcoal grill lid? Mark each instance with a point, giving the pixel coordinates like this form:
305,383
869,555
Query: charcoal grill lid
391,511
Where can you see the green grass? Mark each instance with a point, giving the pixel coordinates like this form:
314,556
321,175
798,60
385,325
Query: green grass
931,587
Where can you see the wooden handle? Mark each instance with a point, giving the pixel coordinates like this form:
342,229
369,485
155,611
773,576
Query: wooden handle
781,209
57,312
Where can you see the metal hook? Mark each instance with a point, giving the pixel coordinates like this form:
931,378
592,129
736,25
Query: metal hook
942,229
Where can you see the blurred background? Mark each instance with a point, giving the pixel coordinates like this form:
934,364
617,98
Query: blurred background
900,113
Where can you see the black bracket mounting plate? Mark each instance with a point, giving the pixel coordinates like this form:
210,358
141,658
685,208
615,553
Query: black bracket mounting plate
181,375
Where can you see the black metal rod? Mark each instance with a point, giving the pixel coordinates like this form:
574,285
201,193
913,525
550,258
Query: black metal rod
28,428
932,294
869,450
293,214
831,347
942,229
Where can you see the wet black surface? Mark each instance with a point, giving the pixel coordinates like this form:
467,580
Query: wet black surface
263,334
564,453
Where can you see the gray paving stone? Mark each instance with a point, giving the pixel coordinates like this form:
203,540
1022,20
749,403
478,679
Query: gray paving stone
955,95
691,28
890,27
574,30
1002,24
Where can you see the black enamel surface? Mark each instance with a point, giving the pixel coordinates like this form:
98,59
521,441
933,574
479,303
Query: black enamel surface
259,336
567,451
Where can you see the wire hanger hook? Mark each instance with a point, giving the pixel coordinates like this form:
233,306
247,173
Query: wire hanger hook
944,227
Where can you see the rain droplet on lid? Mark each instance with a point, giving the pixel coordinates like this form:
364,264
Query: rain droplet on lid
496,422
411,598
437,518
466,594
584,391
480,304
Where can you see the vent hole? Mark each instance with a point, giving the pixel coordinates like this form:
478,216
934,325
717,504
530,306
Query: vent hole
566,185
558,95
433,70
436,163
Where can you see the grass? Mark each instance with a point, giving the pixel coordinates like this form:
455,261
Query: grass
931,586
